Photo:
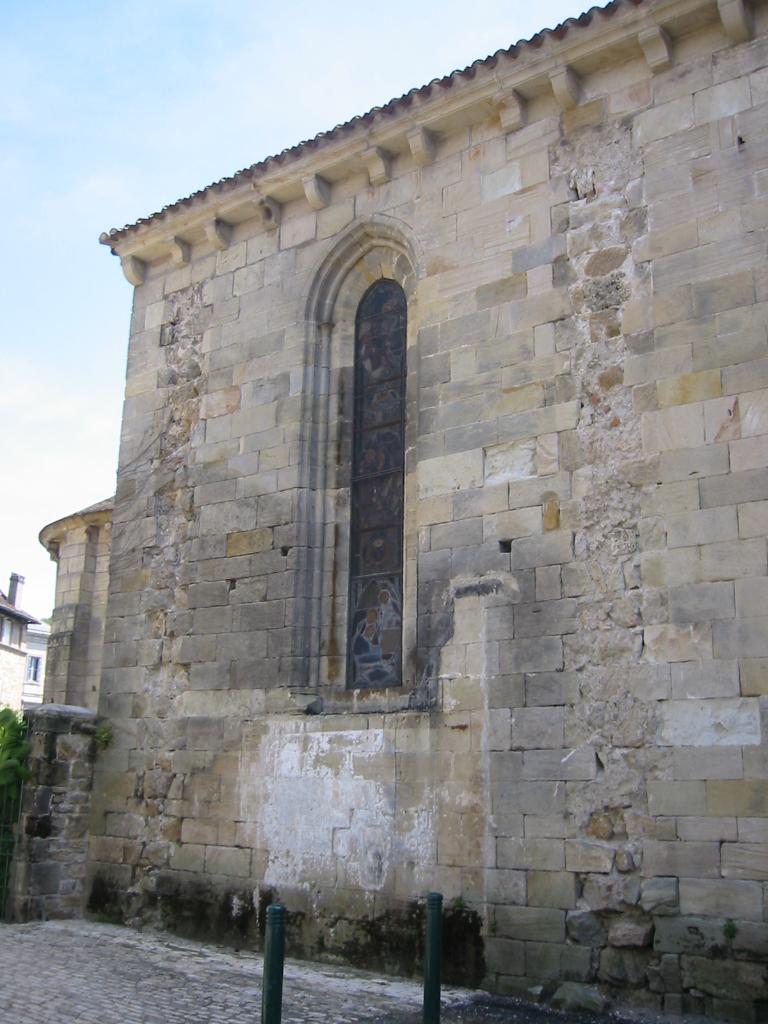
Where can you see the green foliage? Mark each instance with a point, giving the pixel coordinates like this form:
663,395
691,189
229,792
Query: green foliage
14,748
458,903
730,929
103,735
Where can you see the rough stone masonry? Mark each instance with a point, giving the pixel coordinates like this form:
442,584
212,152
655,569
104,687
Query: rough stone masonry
576,757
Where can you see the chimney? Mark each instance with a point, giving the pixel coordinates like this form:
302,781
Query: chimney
15,588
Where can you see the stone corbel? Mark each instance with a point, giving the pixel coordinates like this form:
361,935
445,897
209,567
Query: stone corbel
657,48
566,87
378,163
422,143
179,251
737,20
218,233
317,190
135,270
513,111
271,213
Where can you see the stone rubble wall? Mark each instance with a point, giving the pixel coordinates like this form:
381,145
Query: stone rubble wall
49,868
76,643
578,758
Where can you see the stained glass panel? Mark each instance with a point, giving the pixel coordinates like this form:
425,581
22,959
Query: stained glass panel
378,499
379,450
376,525
376,633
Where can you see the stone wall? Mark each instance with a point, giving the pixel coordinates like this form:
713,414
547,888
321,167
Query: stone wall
49,865
577,757
80,545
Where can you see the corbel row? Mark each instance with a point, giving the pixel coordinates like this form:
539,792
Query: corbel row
512,109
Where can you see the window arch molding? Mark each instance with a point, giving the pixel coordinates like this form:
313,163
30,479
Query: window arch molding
377,249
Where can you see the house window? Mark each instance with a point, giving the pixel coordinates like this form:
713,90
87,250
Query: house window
33,669
376,516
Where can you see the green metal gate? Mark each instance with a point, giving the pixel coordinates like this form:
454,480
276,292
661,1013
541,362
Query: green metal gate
10,807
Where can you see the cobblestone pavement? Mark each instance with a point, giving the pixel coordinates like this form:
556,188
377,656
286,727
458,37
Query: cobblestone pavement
89,973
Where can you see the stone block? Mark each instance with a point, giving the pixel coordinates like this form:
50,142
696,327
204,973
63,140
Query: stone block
754,677
584,856
574,763
546,618
538,727
585,927
743,798
228,860
720,897
544,854
686,860
551,889
703,526
551,688
448,473
731,560
725,979
533,924
689,935
623,966
659,896
704,762
540,654
663,120
689,387
670,643
504,956
721,100
737,488
753,413
704,679
630,932
698,602
670,798
549,549
732,721
611,892
745,861
745,638
505,886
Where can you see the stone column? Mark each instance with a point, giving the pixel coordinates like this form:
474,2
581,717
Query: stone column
49,865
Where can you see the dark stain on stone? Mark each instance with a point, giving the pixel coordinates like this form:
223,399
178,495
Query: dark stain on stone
481,588
105,899
393,943
198,910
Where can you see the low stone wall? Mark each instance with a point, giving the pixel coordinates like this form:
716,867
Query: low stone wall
49,866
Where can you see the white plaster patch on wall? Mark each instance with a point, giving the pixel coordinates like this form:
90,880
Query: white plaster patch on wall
323,804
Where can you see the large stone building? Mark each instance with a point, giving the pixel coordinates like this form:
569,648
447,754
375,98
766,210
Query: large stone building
14,657
439,541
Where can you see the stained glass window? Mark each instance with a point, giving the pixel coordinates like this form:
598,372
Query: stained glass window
376,524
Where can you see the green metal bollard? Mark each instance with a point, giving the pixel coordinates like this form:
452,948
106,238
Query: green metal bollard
274,958
433,957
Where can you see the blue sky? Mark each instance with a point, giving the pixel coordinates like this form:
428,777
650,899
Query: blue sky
108,111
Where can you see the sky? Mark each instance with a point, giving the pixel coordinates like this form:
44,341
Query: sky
109,111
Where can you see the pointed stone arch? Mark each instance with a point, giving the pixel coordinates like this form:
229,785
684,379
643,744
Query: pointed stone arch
367,251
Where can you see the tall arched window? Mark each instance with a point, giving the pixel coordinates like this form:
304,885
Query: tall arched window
376,521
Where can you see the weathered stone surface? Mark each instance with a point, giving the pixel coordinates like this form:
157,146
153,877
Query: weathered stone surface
632,932
659,896
575,998
585,927
572,707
